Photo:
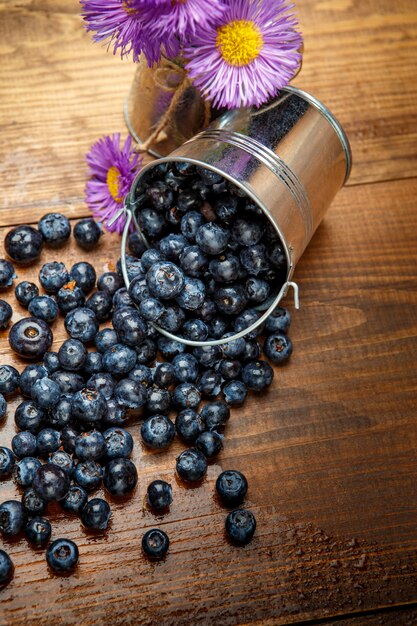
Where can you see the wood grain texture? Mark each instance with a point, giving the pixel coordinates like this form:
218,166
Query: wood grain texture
329,452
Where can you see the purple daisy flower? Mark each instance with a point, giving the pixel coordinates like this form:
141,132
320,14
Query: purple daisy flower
112,170
183,17
248,55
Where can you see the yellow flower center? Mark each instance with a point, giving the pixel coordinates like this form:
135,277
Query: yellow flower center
239,42
113,176
128,8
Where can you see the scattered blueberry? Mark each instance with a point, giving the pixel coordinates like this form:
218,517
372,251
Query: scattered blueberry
278,347
165,280
75,500
6,462
155,543
279,321
232,487
7,274
119,359
6,313
84,275
186,396
44,308
25,292
120,476
23,244
62,555
30,338
81,324
47,441
189,425
235,392
240,526
54,228
209,443
90,446
72,355
51,482
96,514
191,465
257,375
12,518
24,471
32,502
158,432
215,414
70,297
63,460
3,406
118,442
159,495
46,393
38,531
24,444
53,276
87,233
51,362
88,474
6,568
9,379
129,394
88,405
105,339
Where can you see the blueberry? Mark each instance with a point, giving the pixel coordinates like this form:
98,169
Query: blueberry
32,502
142,374
158,401
90,446
215,414
47,441
88,474
186,396
233,349
84,275
9,379
190,223
60,414
118,443
63,460
62,555
3,406
155,543
70,297
23,244
254,259
81,324
231,299
12,518
257,289
46,393
209,443
184,168
169,347
138,290
159,495
165,375
103,382
105,339
68,437
160,195
158,432
136,244
72,355
130,394
51,362
193,261
101,303
7,274
30,338
6,313
53,276
29,416
247,232
51,482
189,425
188,201
6,568
119,359
88,406
240,526
87,233
116,414
195,330
24,444
151,309
212,238
93,363
186,368
278,347
277,257
191,465
172,319
96,514
29,376
110,282
192,295
6,462
38,531
44,308
134,268
209,383
229,369
54,228
218,326
120,476
231,487
75,500
151,222
279,321
130,326
122,299
172,245
208,310
246,319
208,356
257,375
150,257
225,269
69,382
226,207
165,280
25,292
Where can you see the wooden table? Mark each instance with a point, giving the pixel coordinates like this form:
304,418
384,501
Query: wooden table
330,451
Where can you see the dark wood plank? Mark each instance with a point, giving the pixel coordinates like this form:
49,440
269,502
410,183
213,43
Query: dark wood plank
329,453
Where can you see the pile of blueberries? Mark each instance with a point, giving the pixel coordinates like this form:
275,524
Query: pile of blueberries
212,260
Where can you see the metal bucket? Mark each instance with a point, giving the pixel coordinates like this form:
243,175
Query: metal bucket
290,157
